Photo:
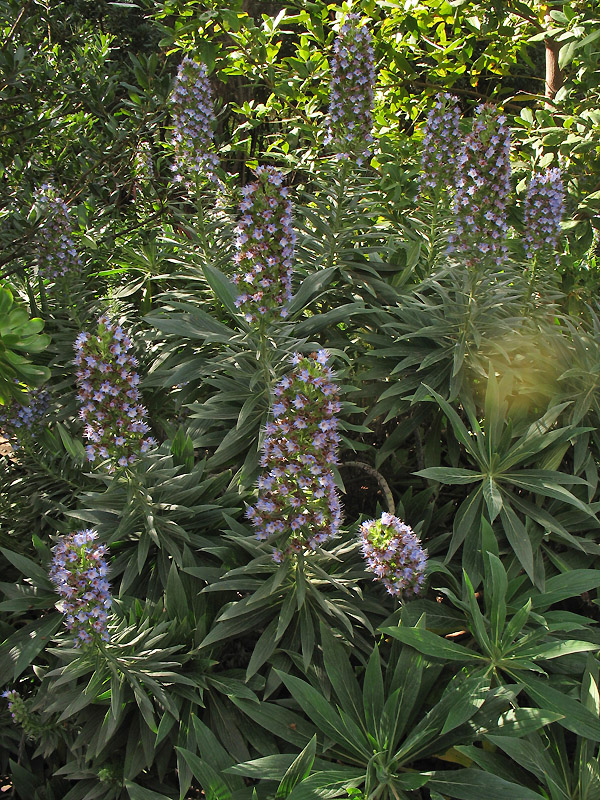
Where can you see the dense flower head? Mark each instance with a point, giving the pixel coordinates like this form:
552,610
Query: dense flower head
265,247
394,553
351,101
298,506
79,571
482,189
56,251
109,395
544,208
441,145
20,422
193,115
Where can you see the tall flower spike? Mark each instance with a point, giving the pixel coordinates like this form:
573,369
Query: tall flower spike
109,396
21,422
193,115
265,245
441,146
482,189
56,251
351,102
298,507
544,208
394,553
79,572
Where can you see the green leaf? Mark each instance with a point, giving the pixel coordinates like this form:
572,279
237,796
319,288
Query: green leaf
450,475
373,693
299,770
432,645
575,716
263,649
567,584
473,784
28,567
323,715
223,288
327,784
18,651
522,721
213,784
518,539
341,674
137,792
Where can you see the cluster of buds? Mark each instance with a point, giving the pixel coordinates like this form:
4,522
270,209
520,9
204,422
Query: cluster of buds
351,101
298,506
265,247
193,115
441,146
394,553
57,255
482,189
544,208
20,422
79,572
18,709
109,395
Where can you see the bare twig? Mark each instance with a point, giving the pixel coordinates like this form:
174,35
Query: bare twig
387,492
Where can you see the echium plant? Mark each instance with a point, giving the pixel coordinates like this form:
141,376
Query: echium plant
351,101
79,572
298,507
23,418
482,189
394,554
193,116
21,714
441,146
56,251
543,212
109,395
265,245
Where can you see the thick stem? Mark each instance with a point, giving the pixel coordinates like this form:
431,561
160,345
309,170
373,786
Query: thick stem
387,492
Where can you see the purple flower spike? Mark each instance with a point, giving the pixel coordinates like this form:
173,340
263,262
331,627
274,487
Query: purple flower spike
394,554
544,208
21,422
57,255
482,189
115,420
351,102
265,244
193,115
441,146
298,506
79,572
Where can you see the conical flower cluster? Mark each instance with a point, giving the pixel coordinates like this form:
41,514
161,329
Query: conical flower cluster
394,553
441,146
265,245
109,395
298,507
351,102
56,251
482,189
79,572
20,422
193,115
544,209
